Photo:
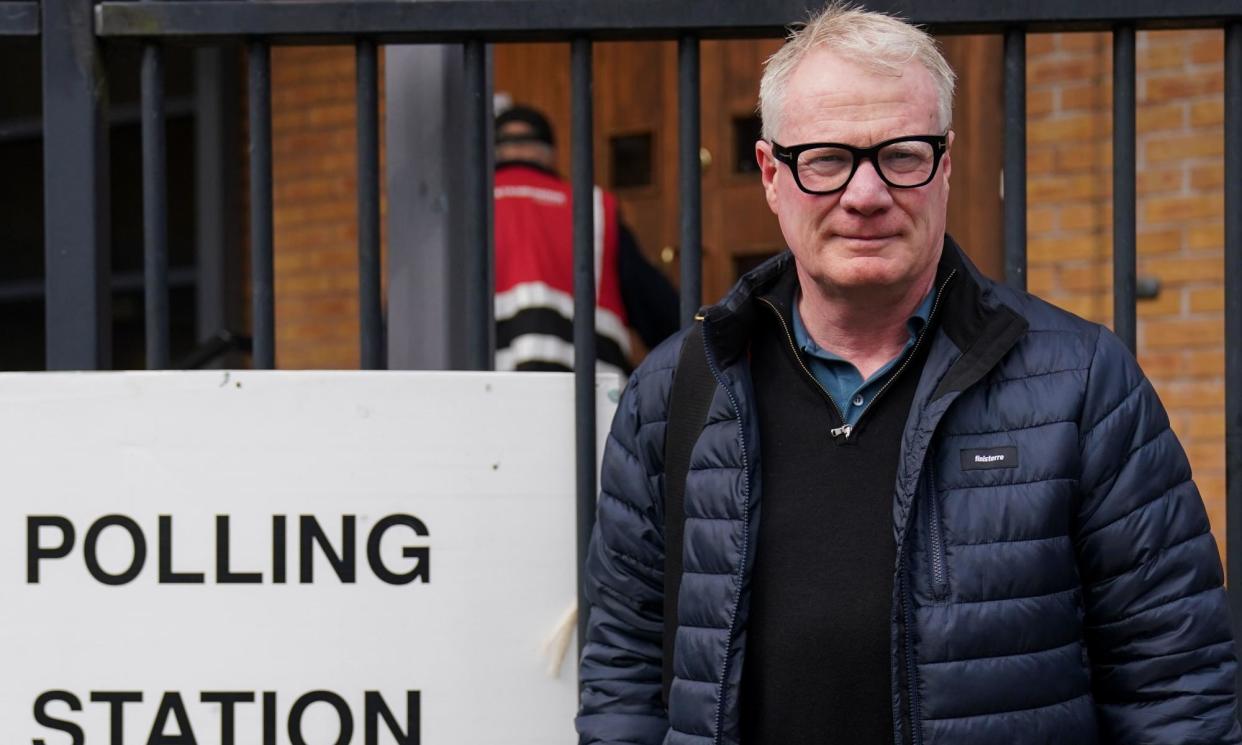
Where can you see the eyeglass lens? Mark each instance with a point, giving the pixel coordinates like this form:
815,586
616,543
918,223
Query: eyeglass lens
901,163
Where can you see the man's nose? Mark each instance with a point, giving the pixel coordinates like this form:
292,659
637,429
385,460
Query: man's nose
866,193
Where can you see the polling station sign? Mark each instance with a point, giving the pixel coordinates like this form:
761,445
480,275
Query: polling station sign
288,558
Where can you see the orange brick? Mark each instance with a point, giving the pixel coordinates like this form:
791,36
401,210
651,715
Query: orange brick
334,115
1211,484
315,163
1179,270
1205,426
1167,304
1205,455
323,214
1088,96
1207,299
318,91
1160,118
300,261
1089,216
1039,44
1083,42
1066,248
1084,157
318,356
1083,306
1206,178
1181,333
1045,189
1041,161
1062,68
1179,208
311,238
1039,280
320,306
1167,87
1205,363
288,119
1181,147
1208,50
1159,180
1206,236
1039,102
313,190
1207,113
1161,363
1192,394
1086,277
1041,220
1159,241
321,282
1159,57
298,142
1066,129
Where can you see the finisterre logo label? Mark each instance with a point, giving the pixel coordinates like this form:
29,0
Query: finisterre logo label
979,459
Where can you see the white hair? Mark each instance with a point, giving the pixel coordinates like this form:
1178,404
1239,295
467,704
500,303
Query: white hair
879,42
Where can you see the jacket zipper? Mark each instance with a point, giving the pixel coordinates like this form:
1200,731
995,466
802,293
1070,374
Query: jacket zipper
741,439
912,682
935,539
845,430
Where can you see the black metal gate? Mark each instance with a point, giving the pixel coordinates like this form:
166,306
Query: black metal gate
76,168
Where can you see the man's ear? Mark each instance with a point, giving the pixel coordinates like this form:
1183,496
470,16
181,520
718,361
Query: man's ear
946,162
768,170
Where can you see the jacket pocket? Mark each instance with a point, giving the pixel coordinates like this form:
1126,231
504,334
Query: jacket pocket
937,567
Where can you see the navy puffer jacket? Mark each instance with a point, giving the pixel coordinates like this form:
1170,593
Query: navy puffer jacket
1074,599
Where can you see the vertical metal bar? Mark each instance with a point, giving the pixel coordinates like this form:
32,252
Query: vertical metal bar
78,311
262,271
154,207
369,309
217,178
690,172
478,233
1233,322
1124,210
1015,157
582,170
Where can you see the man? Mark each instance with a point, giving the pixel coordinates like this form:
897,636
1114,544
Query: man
534,262
923,507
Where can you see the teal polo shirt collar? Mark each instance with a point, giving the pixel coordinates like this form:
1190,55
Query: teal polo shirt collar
840,378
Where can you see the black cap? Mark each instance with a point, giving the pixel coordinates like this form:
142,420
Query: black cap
540,128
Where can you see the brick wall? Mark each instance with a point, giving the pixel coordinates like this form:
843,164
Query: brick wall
1180,214
314,176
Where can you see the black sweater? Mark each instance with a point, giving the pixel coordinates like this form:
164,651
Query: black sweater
817,667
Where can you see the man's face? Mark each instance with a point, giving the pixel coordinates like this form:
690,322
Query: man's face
867,235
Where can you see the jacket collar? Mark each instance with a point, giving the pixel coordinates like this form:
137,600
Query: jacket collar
979,325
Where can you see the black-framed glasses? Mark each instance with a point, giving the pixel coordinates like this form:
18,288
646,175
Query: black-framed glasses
827,167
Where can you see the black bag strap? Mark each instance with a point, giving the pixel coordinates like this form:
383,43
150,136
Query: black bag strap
693,386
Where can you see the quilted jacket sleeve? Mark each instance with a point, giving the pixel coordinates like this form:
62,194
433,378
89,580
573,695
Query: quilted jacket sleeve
622,661
1156,620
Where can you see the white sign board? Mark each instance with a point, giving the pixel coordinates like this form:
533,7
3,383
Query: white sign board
287,558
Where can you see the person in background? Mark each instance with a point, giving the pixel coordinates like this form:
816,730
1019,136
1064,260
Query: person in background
534,262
